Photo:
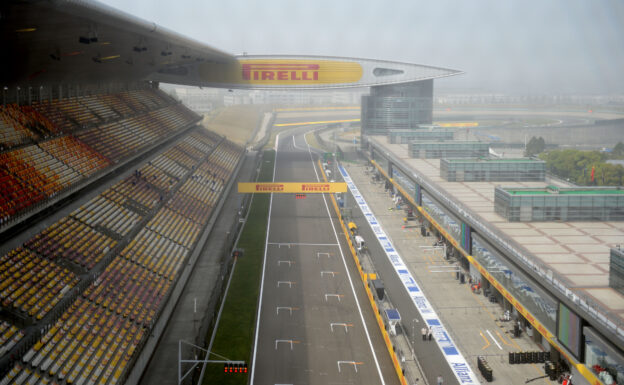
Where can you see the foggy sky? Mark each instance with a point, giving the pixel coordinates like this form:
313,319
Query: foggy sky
529,46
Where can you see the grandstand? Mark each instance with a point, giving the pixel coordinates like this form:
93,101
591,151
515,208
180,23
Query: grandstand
79,298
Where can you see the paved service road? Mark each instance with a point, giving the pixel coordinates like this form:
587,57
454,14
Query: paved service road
315,324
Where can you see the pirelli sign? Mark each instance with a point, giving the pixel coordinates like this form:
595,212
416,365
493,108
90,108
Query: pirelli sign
299,72
274,72
292,187
280,71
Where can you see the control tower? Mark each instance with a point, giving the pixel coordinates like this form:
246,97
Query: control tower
397,107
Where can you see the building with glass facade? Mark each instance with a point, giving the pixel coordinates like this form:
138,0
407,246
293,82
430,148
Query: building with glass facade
442,216
616,269
451,149
560,204
605,361
407,136
397,106
536,299
405,182
492,169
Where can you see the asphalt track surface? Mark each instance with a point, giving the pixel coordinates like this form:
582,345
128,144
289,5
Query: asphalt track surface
315,324
336,115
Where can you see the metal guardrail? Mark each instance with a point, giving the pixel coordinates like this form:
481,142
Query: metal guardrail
559,283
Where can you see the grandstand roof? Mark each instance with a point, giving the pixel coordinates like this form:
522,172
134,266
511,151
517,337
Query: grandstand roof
85,42
88,43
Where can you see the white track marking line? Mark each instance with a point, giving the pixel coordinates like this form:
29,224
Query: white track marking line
302,244
266,246
295,144
494,339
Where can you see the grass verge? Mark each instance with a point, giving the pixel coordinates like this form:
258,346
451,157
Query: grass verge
311,139
274,132
235,332
237,123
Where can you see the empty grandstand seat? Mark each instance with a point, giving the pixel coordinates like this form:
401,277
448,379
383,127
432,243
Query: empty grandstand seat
98,335
124,125
22,270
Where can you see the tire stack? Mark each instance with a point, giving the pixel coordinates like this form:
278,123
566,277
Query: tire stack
528,357
485,369
551,370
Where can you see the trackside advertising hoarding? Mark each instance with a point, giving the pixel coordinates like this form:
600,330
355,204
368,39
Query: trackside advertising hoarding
292,188
287,72
297,72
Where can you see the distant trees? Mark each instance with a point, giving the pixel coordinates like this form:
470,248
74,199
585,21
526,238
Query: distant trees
577,166
610,174
618,151
535,146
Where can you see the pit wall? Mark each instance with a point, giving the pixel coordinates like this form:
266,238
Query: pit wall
364,279
457,363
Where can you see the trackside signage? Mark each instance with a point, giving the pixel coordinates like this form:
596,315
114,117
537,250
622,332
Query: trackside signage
456,361
283,72
278,71
298,72
292,188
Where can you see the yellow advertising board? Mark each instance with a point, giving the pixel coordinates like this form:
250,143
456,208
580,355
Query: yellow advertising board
292,187
458,124
285,72
317,122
